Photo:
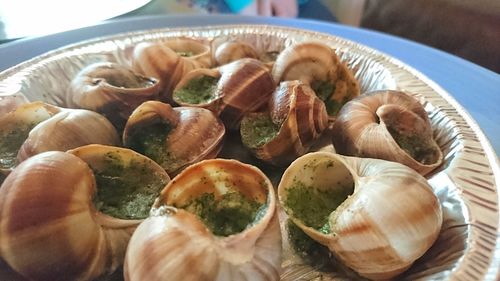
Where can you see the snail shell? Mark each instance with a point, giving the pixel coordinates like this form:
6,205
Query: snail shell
234,50
296,118
317,64
48,225
388,125
67,129
112,90
15,127
376,216
166,245
167,61
9,102
174,137
244,86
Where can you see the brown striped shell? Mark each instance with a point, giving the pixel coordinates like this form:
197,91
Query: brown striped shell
234,50
36,127
176,243
244,86
167,62
390,125
299,117
316,64
190,134
112,90
49,226
376,216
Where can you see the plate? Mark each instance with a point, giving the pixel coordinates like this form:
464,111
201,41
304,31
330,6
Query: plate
466,184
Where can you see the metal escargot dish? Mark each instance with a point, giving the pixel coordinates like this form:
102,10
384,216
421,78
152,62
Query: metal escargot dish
91,134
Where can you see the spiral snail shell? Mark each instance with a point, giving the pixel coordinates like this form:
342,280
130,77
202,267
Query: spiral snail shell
174,137
295,120
390,125
36,127
112,90
234,50
317,65
376,216
49,223
218,214
230,91
169,61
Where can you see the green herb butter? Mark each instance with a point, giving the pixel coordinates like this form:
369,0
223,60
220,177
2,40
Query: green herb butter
313,206
126,190
151,141
418,148
11,141
257,130
227,215
199,90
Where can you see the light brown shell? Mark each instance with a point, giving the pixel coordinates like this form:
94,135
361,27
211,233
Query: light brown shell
112,90
234,50
168,244
162,61
312,63
362,129
391,219
9,102
245,85
196,133
302,118
54,128
43,240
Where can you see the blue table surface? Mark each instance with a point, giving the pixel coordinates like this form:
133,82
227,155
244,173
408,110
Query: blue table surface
475,88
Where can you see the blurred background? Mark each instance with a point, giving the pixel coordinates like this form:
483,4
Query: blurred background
466,28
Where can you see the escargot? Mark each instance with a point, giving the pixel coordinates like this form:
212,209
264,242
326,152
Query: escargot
233,50
316,64
169,61
218,214
112,90
390,125
37,127
71,215
295,120
230,91
376,216
9,102
174,137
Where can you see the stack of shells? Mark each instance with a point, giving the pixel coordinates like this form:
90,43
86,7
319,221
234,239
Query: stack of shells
281,106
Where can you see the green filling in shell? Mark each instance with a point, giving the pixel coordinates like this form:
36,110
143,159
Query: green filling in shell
417,147
313,206
199,90
126,190
227,215
11,141
151,140
258,129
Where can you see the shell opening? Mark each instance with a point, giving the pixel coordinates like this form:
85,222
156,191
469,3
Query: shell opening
317,190
227,213
417,146
226,196
10,141
126,188
198,90
257,129
151,140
